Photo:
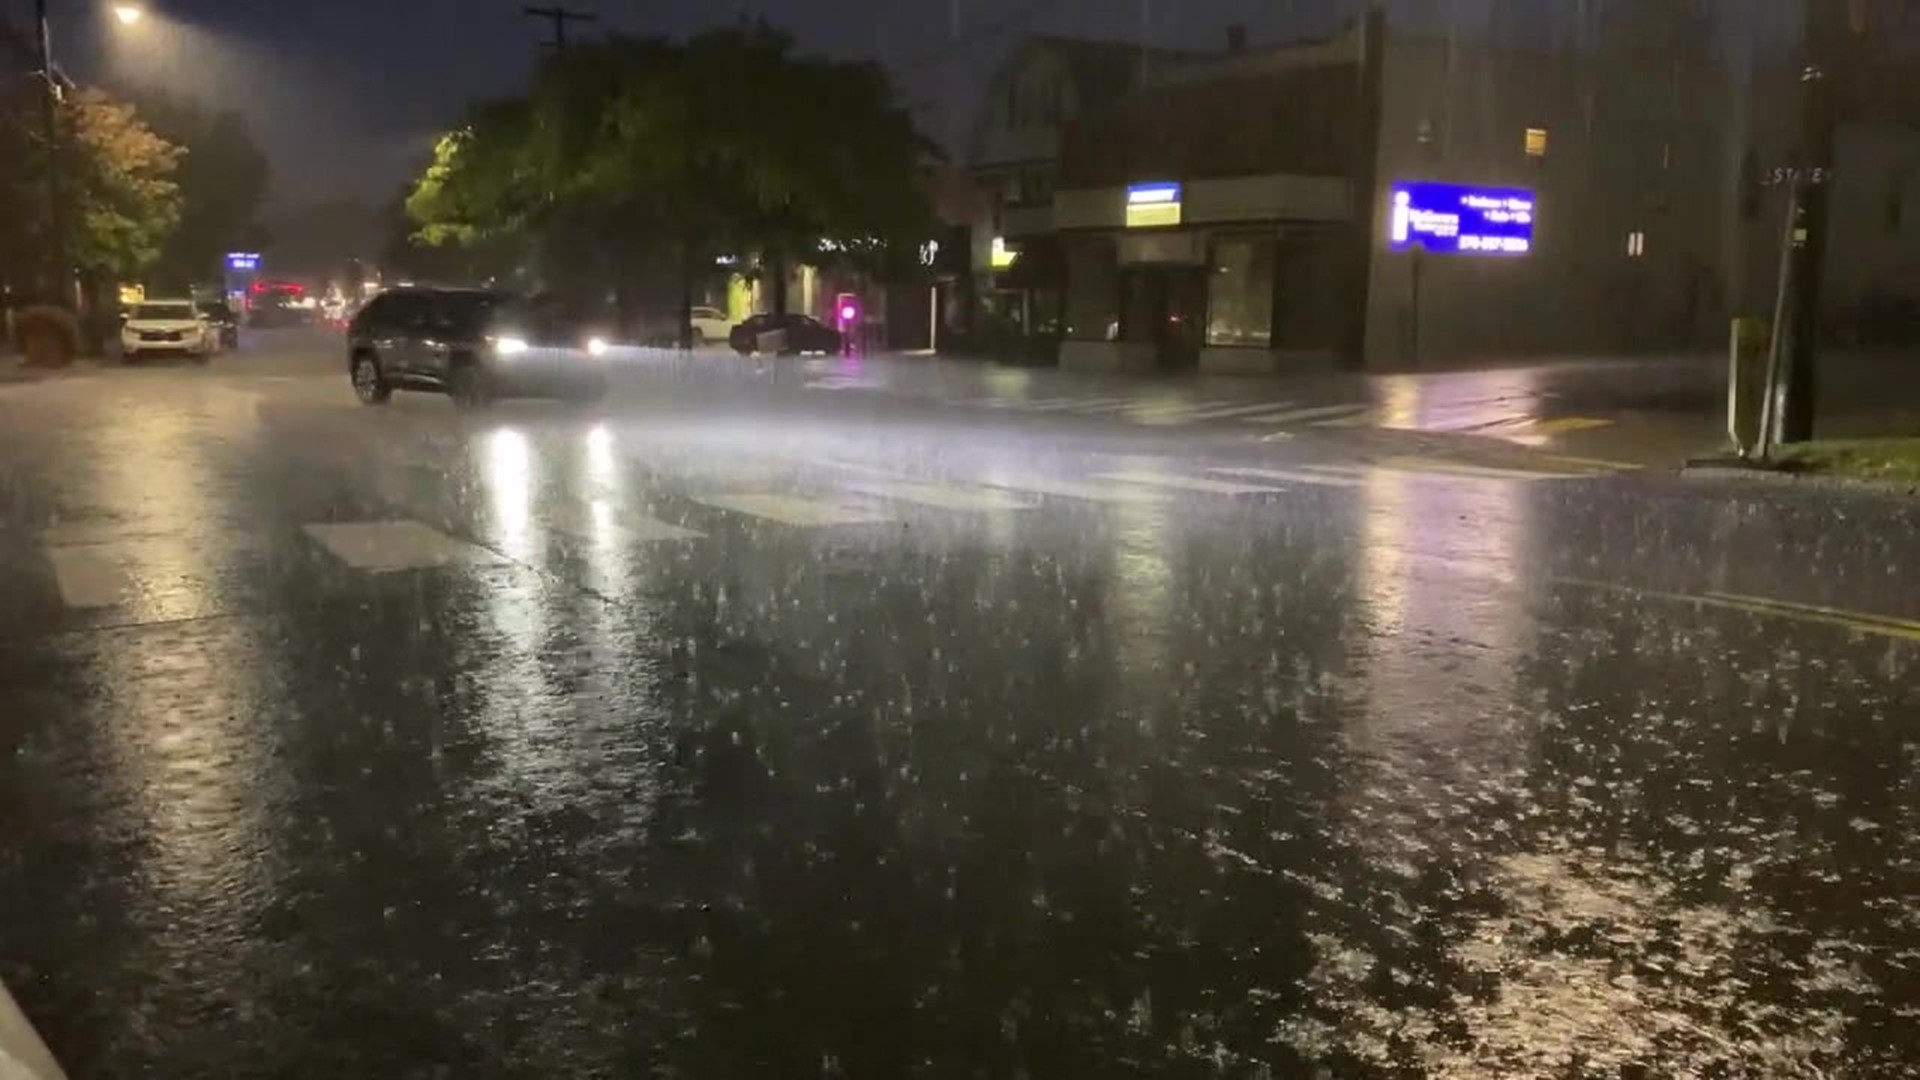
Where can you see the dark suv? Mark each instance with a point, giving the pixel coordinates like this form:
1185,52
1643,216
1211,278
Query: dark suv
473,345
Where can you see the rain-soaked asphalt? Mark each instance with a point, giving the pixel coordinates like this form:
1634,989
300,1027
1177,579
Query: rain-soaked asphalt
741,728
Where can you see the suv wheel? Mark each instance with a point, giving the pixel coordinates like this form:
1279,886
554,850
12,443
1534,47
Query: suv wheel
368,384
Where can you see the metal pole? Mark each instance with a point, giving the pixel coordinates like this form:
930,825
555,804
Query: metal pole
60,264
1783,323
1814,179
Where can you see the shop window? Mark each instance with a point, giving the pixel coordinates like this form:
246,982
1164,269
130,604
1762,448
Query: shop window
1093,291
1240,291
1536,142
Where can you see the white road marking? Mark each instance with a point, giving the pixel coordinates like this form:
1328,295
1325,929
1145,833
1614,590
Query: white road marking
942,496
1186,483
380,547
1054,404
88,576
600,520
1296,416
1103,405
1298,476
1365,417
1223,412
1485,472
790,509
1069,489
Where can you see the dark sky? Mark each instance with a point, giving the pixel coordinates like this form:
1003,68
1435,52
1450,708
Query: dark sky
346,95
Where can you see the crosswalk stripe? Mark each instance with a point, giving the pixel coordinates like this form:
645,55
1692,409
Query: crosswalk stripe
600,520
1050,404
1223,412
941,496
1298,476
384,546
1102,405
1360,418
1295,416
790,509
1486,472
87,576
1069,489
1185,483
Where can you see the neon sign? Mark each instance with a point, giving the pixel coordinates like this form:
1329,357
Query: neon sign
243,261
1458,219
1150,205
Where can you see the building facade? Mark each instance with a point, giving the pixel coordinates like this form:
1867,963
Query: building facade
1613,175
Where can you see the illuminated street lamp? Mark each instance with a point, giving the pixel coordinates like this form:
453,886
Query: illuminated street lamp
59,256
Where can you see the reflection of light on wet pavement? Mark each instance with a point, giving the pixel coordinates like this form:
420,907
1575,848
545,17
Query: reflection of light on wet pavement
508,475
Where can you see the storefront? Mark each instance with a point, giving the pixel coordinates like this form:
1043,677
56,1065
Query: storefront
1228,275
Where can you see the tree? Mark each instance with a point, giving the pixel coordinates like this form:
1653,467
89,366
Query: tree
126,199
223,178
633,159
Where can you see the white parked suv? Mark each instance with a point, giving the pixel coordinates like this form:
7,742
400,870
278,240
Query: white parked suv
174,327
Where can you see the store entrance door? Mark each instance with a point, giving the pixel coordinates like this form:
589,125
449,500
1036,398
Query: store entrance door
1165,306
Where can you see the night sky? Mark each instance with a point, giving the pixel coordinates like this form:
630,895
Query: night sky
346,95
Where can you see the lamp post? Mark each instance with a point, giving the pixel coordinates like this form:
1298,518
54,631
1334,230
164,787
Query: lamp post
60,258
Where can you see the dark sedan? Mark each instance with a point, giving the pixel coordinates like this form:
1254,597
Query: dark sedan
787,335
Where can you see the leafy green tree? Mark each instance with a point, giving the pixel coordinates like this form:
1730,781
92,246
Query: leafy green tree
633,160
126,200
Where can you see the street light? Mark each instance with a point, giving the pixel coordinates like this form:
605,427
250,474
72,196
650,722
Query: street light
61,276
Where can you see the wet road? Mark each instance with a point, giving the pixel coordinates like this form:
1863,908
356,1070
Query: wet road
751,724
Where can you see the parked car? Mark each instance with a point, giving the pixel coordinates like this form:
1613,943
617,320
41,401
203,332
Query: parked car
474,345
175,327
221,316
788,335
708,324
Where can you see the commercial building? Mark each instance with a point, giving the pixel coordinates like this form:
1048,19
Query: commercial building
1391,200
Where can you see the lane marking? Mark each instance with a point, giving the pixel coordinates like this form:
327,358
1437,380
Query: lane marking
88,576
1187,483
790,509
380,547
601,520
1483,472
1103,405
1224,412
1328,477
1595,463
1070,489
941,496
1053,404
1858,622
1295,416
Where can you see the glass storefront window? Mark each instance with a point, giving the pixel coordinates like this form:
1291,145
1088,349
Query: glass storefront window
1240,291
1093,290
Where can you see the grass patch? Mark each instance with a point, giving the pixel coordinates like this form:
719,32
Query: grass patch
1894,460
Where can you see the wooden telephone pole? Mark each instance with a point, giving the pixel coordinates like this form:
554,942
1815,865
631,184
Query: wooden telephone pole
560,17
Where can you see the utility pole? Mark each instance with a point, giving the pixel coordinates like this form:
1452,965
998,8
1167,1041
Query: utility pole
60,264
1822,31
560,17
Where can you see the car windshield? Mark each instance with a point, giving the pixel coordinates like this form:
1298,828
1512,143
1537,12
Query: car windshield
162,312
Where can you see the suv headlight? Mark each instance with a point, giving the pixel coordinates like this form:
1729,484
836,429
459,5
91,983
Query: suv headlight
596,346
509,346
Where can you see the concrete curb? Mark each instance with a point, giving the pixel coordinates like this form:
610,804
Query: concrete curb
22,1055
1851,484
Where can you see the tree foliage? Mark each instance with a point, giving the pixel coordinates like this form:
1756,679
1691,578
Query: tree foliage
126,199
636,153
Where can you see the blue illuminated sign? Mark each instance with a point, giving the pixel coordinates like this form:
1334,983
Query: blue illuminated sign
1154,204
243,261
1457,219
